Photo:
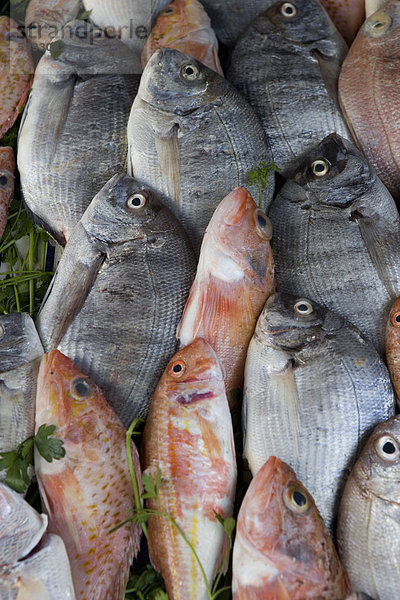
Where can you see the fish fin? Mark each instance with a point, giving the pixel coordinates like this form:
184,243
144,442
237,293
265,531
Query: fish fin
283,383
189,326
168,155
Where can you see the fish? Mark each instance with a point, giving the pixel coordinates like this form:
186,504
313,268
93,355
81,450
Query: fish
7,169
188,438
89,491
348,16
336,237
77,113
282,548
372,6
287,39
128,256
392,345
185,25
43,575
368,93
45,19
20,354
313,390
16,72
128,20
234,278
193,138
369,514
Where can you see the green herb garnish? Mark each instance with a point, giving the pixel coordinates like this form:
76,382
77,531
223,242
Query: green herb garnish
260,176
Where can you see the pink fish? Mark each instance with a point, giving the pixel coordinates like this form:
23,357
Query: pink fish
7,169
348,16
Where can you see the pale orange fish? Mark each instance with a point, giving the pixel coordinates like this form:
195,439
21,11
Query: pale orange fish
185,26
282,548
393,345
44,20
89,491
348,16
16,72
188,436
235,277
7,169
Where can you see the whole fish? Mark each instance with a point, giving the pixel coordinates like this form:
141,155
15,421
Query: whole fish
20,354
44,575
184,25
128,20
16,72
7,169
89,491
287,39
393,345
193,138
337,237
348,16
188,437
368,539
44,19
73,135
368,93
314,388
128,257
235,276
282,548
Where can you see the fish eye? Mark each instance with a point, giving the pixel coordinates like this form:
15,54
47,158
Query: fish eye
288,9
263,224
387,448
177,369
81,388
136,201
303,307
296,498
3,179
12,35
320,167
378,23
168,10
190,72
395,319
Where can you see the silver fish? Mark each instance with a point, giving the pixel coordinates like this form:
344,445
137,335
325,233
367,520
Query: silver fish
368,527
337,237
44,575
73,134
193,138
20,354
314,388
296,112
118,294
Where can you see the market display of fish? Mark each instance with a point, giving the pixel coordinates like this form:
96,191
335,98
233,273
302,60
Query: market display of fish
235,276
193,138
77,114
337,237
313,390
282,547
118,294
20,354
296,112
45,19
16,70
348,16
188,437
185,26
7,169
368,93
88,492
368,539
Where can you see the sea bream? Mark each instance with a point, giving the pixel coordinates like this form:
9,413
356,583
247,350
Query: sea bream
193,138
119,292
313,390
188,437
234,278
89,491
73,133
7,169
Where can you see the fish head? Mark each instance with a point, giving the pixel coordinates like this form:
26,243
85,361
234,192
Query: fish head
124,210
381,29
237,240
291,323
334,173
377,471
180,84
7,169
19,341
393,323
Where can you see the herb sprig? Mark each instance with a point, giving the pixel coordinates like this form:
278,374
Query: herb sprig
260,176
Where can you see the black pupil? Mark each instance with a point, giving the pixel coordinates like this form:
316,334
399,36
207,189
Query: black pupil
177,368
289,10
168,11
136,201
3,180
302,307
319,167
397,318
81,388
299,499
388,448
189,71
262,221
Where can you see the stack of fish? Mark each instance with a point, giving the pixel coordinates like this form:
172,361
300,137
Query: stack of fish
142,176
